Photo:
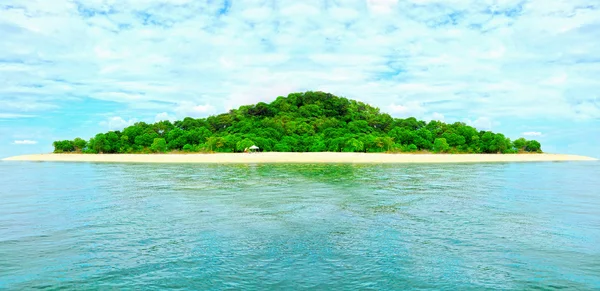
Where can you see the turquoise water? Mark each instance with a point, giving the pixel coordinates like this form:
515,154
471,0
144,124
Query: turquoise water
329,227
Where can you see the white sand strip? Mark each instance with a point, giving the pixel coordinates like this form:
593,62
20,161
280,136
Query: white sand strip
276,157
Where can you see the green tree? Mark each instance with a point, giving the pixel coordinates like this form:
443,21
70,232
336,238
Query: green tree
282,147
453,139
499,144
79,144
520,144
412,148
423,139
402,135
353,145
125,145
63,146
244,144
159,145
175,139
440,145
215,143
318,146
100,144
290,142
335,144
146,139
486,141
533,146
112,142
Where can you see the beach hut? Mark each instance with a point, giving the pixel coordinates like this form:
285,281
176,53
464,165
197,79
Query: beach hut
253,149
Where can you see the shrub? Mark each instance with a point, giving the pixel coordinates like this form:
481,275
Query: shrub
440,145
412,148
159,145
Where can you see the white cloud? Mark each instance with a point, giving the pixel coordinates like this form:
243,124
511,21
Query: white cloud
438,116
117,123
343,14
14,115
237,51
25,142
409,109
382,6
259,93
532,133
413,109
481,123
559,79
24,104
257,14
230,52
300,9
164,116
190,109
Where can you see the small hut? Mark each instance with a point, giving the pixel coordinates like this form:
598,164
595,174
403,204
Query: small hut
253,149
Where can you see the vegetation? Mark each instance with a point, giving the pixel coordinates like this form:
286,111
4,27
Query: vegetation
300,122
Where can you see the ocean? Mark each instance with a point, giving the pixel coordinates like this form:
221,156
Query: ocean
509,226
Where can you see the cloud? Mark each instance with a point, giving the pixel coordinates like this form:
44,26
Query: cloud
372,50
117,123
24,104
481,123
413,109
409,109
14,115
190,109
438,116
559,79
164,116
259,93
532,133
382,6
25,142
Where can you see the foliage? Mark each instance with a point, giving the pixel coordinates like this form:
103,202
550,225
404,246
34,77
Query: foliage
243,144
533,146
300,122
412,148
63,146
79,144
440,145
520,144
159,145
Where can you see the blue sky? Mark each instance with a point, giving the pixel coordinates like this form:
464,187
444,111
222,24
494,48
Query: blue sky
76,68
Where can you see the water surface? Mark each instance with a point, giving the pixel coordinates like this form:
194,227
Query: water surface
510,226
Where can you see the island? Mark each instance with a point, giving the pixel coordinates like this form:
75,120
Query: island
309,127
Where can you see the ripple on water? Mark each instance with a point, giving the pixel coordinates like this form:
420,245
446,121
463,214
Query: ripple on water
211,227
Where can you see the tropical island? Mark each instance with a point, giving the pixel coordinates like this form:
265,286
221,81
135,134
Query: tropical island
300,122
308,127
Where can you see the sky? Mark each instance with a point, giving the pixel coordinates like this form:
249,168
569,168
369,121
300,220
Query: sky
525,68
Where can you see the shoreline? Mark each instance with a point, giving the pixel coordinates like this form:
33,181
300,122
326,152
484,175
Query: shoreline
307,158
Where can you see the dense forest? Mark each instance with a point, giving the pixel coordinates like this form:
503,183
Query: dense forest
300,122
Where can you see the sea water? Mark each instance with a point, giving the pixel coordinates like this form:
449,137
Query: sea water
509,226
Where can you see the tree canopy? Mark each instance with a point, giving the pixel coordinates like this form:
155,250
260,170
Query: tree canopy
300,122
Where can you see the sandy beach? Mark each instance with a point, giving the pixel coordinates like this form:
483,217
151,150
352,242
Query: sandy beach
278,157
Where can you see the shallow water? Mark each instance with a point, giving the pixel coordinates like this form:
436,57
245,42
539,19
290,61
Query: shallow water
510,226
